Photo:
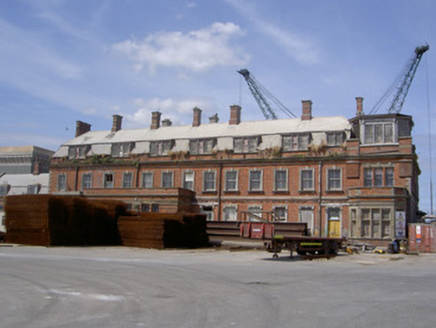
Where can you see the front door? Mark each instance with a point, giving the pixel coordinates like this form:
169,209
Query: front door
334,222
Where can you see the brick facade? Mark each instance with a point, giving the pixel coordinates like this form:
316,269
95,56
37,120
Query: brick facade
337,181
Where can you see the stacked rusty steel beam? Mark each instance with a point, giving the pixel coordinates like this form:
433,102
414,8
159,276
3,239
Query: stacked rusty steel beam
163,230
48,220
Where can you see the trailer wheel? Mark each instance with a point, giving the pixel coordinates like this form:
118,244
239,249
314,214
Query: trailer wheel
301,253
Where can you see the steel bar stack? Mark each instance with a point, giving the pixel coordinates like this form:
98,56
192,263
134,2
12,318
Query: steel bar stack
47,220
163,230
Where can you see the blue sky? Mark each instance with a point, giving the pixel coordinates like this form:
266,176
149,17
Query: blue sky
63,61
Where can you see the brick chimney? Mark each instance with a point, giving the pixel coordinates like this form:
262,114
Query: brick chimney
214,119
167,122
82,128
235,115
307,110
197,117
359,106
155,120
116,125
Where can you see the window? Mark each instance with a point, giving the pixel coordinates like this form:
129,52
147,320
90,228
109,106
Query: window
4,188
389,177
155,208
167,179
335,138
296,142
159,148
201,146
378,176
127,180
231,180
374,223
281,180
246,144
122,149
78,151
62,182
33,189
254,212
147,180
208,211
230,213
209,181
86,180
108,181
145,207
334,179
306,180
281,213
376,133
188,180
255,183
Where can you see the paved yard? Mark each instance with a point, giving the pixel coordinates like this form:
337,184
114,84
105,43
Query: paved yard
132,287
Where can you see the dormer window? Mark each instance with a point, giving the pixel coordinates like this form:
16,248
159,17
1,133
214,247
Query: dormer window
378,132
4,189
298,141
201,146
335,138
78,151
161,148
246,144
122,149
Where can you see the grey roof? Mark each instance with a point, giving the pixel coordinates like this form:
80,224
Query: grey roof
210,130
19,182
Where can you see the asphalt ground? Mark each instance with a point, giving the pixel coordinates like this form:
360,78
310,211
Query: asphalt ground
215,287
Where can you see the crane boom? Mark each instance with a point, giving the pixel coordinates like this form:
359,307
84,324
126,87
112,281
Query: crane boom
404,83
260,94
403,89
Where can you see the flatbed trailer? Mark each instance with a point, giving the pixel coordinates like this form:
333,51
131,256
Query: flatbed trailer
308,247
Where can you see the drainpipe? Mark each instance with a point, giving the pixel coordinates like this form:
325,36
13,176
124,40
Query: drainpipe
220,188
76,183
320,197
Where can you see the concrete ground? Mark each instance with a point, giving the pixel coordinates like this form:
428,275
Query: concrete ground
216,287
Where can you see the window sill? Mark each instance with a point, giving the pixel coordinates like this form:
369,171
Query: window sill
256,192
281,192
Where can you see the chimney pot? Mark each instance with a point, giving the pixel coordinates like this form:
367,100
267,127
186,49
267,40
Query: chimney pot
235,115
155,120
197,116
214,119
166,122
359,106
116,125
307,110
82,128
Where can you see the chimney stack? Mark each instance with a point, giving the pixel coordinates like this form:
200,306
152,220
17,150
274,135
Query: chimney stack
197,117
82,128
155,120
235,115
214,119
307,110
116,125
166,122
359,106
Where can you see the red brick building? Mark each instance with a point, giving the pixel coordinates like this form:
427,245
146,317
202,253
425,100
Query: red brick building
355,178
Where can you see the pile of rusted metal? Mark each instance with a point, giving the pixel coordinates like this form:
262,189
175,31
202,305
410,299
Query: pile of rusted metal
163,230
48,220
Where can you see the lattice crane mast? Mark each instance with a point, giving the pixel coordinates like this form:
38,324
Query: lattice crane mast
404,83
261,95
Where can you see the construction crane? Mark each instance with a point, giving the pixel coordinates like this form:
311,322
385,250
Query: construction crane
261,95
402,83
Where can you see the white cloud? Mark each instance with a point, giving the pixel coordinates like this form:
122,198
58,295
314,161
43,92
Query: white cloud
174,109
300,47
197,50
